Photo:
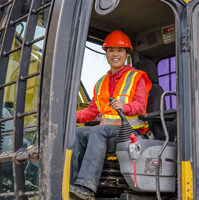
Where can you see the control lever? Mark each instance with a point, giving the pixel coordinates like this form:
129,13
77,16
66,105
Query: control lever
125,129
120,113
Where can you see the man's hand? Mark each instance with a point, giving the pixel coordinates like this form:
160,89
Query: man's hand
116,104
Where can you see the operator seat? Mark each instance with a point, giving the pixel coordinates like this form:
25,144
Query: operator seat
155,93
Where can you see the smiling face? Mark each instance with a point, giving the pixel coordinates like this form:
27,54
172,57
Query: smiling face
116,57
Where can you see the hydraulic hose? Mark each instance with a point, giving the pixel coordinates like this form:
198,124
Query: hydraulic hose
164,144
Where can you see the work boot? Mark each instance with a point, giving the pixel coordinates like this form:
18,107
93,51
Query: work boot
81,193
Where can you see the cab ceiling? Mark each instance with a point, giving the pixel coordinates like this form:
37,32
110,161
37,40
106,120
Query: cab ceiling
134,16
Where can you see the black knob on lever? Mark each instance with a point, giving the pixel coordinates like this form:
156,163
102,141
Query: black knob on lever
120,113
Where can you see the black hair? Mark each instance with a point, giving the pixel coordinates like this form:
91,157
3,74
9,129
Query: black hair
128,50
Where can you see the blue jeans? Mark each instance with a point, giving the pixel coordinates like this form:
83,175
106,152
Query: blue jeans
89,152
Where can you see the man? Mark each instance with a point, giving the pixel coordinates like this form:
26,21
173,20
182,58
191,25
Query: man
129,88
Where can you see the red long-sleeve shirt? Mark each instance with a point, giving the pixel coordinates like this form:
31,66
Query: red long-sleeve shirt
135,107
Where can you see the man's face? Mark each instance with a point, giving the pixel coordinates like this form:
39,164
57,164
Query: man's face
116,57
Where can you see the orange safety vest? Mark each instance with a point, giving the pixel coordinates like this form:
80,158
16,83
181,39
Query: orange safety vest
124,91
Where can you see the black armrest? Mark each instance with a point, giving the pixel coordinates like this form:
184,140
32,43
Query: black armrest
169,115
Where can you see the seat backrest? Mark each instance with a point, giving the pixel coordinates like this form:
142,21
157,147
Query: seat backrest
149,67
155,93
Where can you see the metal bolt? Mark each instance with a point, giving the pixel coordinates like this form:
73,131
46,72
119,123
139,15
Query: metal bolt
11,22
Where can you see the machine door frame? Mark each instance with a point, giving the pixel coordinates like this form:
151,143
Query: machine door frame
64,55
193,14
185,12
62,69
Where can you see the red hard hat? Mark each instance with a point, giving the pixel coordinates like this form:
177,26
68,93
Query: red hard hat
117,39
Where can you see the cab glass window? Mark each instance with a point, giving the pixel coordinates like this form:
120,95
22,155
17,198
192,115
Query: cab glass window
94,66
167,79
22,51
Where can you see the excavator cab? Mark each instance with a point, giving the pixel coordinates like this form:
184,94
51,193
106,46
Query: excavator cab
45,77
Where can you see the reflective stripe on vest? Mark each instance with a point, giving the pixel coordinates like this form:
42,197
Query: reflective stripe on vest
98,89
126,86
116,120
